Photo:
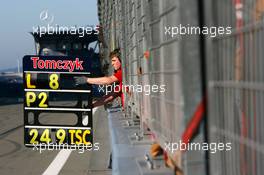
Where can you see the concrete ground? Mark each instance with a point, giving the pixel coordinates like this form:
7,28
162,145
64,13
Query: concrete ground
15,158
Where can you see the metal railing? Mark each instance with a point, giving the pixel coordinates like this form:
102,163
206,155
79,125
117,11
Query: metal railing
234,75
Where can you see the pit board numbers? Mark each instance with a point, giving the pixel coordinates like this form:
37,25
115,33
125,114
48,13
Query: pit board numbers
56,111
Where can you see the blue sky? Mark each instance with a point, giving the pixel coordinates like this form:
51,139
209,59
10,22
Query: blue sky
17,19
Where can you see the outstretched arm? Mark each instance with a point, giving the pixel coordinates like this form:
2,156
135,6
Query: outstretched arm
102,80
99,81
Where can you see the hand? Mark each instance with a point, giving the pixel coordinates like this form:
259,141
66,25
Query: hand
80,80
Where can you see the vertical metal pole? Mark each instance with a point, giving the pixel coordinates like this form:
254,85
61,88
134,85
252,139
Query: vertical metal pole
203,77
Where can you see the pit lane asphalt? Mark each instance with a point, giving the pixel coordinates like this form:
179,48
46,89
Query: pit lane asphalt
15,158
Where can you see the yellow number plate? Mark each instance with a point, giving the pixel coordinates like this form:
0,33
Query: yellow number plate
35,136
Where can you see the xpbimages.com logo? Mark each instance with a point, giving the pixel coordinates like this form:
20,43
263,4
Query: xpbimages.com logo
49,28
146,89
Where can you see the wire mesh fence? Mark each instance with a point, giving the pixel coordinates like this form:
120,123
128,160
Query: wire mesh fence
234,74
235,85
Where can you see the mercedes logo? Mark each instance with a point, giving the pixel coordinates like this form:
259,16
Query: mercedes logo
45,16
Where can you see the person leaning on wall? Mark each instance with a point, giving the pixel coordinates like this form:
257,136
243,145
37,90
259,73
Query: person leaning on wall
107,80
